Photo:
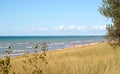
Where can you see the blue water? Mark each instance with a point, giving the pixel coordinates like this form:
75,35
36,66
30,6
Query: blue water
24,44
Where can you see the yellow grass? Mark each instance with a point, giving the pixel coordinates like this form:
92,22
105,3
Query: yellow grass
94,59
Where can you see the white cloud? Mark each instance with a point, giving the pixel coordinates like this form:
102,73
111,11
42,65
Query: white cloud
77,28
71,27
102,27
81,28
61,27
95,27
99,27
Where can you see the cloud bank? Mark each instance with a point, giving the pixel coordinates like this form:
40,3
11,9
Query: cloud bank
68,30
79,28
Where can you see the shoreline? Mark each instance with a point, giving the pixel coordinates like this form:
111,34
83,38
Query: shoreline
19,57
69,47
76,46
82,45
87,44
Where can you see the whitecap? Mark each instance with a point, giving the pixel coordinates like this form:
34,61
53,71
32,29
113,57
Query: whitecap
26,42
29,47
19,50
20,43
4,47
60,43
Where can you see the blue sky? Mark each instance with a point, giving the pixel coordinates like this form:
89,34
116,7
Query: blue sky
51,17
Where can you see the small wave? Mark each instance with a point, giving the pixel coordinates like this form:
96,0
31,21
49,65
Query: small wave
4,47
60,43
29,47
20,43
19,50
26,42
7,44
75,42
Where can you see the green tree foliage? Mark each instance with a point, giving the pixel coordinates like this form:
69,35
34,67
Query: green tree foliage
111,9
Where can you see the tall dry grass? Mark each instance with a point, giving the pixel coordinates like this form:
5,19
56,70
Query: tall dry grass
94,59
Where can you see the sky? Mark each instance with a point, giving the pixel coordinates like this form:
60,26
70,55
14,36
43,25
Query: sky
51,17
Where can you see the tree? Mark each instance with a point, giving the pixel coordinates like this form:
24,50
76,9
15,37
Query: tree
111,9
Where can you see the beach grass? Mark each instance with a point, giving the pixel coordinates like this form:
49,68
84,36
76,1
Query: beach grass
98,58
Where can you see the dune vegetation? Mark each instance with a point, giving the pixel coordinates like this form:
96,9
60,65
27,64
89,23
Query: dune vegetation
99,58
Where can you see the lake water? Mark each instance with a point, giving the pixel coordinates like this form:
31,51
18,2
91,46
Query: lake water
24,44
